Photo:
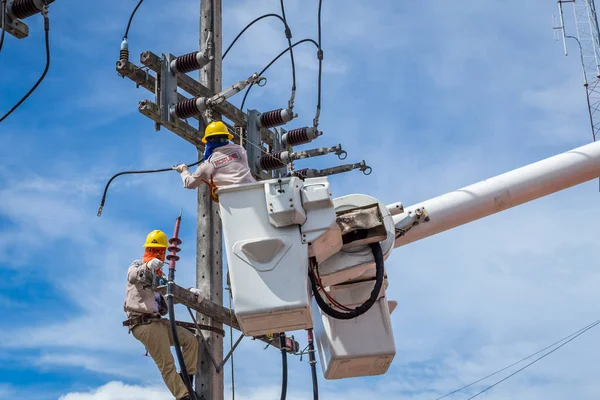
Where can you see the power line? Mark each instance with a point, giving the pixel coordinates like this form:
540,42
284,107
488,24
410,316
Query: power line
47,39
288,35
248,26
320,57
3,10
131,18
271,63
571,337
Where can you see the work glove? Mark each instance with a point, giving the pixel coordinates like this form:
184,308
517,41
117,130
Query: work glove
154,264
180,168
196,291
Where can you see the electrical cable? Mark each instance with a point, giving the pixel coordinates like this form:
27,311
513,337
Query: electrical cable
288,35
284,367
148,171
536,360
271,63
131,19
174,242
47,39
3,10
580,331
320,58
248,26
363,308
313,364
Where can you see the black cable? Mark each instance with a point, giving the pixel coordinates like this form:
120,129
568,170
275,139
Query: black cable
46,29
363,308
3,10
171,281
248,26
518,362
313,364
536,360
131,19
284,367
271,63
320,58
148,171
288,35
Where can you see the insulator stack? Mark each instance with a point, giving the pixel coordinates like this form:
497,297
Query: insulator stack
187,63
299,136
275,118
173,249
186,109
22,9
272,161
301,173
124,53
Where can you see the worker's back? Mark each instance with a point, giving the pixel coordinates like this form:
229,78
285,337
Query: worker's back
228,165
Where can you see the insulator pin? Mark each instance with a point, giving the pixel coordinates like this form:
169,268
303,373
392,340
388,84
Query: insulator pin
275,118
187,63
186,109
271,161
22,9
300,136
124,53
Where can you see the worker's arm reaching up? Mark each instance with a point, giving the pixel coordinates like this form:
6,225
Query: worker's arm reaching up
192,181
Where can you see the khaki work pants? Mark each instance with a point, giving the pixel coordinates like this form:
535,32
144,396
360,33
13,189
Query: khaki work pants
157,338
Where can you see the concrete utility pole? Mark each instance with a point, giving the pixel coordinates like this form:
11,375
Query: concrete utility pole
209,265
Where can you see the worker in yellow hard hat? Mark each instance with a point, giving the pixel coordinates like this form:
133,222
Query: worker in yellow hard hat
145,308
224,163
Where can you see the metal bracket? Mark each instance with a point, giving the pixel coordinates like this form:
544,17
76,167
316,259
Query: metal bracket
254,142
218,367
278,146
412,218
168,88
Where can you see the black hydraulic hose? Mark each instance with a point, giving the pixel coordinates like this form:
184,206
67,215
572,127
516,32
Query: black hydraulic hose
313,364
363,308
284,366
171,281
47,40
271,63
148,171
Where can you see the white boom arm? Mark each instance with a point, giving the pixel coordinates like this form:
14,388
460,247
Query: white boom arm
503,191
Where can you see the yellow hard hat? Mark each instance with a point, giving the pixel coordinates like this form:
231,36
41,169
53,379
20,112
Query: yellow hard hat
156,238
216,128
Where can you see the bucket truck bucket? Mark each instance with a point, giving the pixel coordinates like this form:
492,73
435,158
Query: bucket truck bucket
363,346
270,228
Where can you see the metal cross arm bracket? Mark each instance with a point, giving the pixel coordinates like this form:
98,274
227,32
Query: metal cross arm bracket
313,173
280,159
412,218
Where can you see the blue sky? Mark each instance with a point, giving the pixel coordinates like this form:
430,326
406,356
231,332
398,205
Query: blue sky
434,95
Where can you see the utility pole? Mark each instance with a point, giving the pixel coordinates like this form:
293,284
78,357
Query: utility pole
209,265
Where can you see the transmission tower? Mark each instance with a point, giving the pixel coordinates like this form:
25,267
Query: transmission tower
588,39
